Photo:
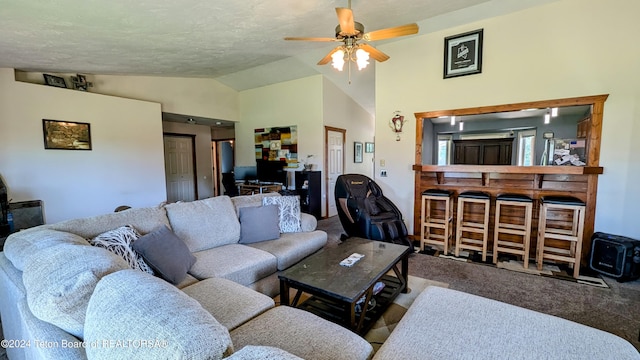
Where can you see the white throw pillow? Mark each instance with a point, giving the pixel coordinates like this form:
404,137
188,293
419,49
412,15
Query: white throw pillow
288,212
119,241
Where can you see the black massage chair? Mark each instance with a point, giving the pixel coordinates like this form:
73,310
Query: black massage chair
365,212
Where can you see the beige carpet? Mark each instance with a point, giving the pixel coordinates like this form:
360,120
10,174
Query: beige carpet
390,318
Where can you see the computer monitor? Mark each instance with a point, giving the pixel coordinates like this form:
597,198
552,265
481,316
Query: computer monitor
271,171
246,173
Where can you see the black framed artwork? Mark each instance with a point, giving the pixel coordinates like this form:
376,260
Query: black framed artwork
463,54
56,81
66,135
357,152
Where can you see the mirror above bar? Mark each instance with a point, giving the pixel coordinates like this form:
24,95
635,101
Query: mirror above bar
511,134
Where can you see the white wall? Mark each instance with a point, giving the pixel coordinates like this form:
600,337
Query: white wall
188,96
563,49
310,103
296,102
340,111
125,167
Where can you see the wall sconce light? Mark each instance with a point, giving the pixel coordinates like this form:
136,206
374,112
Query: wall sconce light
461,125
453,120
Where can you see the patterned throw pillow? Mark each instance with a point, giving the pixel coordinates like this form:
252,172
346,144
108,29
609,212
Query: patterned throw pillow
288,212
119,242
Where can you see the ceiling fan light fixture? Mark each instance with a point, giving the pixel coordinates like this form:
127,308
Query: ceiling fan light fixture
338,60
362,59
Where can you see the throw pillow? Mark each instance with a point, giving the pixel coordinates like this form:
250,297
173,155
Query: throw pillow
119,242
288,212
166,254
259,223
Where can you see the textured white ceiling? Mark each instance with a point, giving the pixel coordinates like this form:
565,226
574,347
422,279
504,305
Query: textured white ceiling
240,43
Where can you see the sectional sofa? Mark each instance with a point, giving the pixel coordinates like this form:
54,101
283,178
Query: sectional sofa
205,290
211,298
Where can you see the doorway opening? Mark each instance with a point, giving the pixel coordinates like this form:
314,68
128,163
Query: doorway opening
223,156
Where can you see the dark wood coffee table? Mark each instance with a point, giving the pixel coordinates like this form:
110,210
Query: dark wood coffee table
336,289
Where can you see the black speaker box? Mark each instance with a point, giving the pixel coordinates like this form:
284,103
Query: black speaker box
615,256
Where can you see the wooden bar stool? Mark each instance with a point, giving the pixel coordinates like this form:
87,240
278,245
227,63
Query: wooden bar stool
555,213
515,222
471,223
438,217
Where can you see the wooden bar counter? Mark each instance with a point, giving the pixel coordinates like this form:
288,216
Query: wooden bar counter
533,181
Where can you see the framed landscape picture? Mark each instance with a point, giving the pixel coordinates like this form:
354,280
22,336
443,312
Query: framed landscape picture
66,135
463,54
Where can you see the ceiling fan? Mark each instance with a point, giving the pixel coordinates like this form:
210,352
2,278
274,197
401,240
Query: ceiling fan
354,39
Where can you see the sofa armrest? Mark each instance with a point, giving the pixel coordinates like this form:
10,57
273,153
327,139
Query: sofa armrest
308,222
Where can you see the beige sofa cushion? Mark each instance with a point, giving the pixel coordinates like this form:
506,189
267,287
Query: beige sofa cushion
308,222
23,245
250,200
205,224
251,352
59,282
290,248
455,325
230,303
142,219
47,333
240,263
303,334
130,305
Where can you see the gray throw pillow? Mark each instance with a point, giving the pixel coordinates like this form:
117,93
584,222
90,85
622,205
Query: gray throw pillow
167,255
288,211
259,223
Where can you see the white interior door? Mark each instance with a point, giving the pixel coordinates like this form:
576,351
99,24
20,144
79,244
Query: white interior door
335,164
178,163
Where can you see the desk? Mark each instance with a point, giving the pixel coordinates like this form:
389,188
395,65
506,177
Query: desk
250,189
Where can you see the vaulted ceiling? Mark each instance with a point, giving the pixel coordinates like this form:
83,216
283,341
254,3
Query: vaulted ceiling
239,43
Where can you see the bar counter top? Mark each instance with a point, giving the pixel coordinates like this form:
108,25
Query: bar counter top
507,169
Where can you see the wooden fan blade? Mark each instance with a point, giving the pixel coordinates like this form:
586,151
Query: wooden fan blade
374,53
311,39
325,60
389,33
345,19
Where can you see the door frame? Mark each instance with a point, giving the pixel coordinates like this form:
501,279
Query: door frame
193,158
218,160
326,160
